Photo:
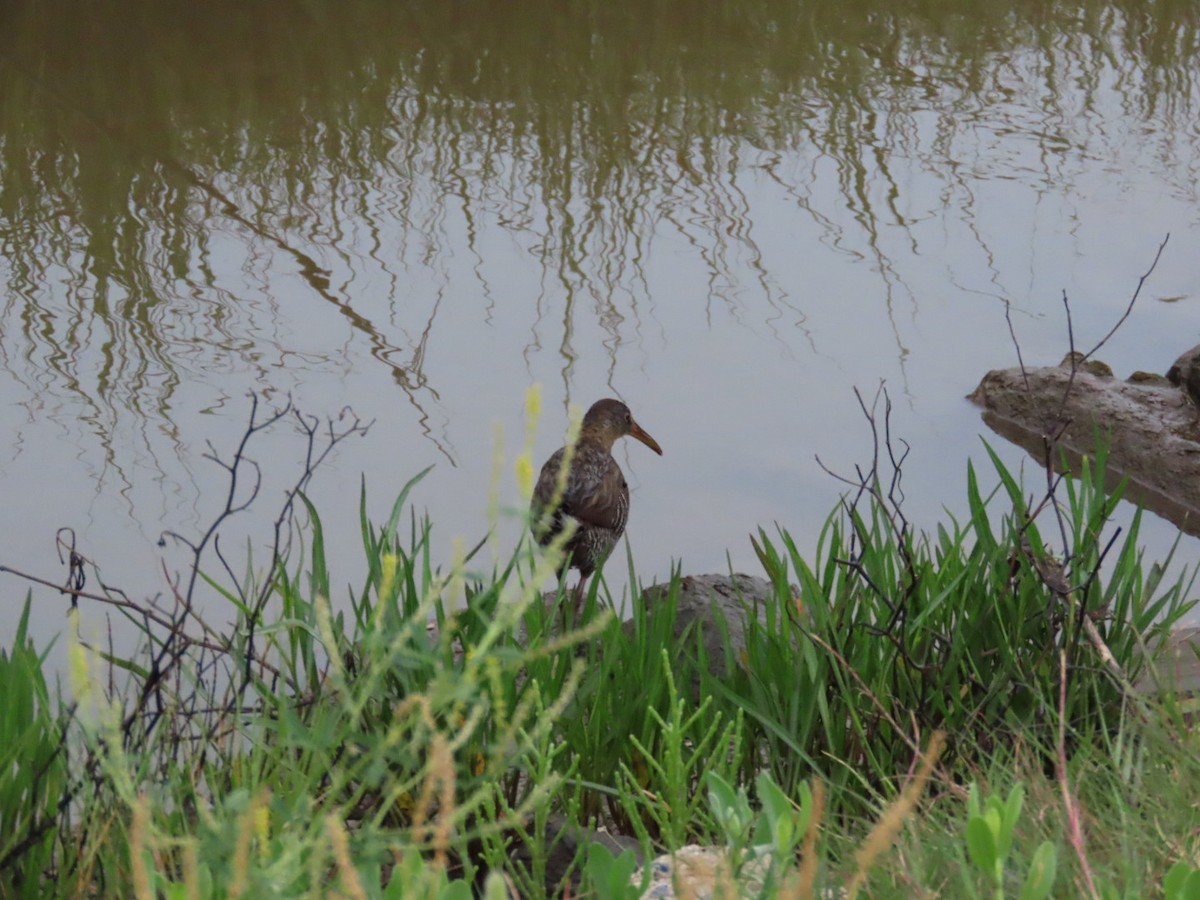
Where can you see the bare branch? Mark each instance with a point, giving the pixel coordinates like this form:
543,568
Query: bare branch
1012,333
1133,299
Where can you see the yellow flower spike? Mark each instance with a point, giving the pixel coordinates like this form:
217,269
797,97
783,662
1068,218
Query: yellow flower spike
533,404
493,500
139,849
325,630
387,578
495,676
262,827
339,841
456,586
78,670
524,467
524,464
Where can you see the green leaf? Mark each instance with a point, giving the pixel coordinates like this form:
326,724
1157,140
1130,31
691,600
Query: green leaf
995,821
720,794
320,573
981,845
1012,812
1040,879
1174,879
1181,882
393,522
778,820
609,875
974,808
775,803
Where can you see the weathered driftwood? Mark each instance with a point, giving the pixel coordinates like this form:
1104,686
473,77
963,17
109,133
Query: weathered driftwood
1152,425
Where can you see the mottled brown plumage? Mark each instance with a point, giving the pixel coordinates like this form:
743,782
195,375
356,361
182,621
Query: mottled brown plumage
595,496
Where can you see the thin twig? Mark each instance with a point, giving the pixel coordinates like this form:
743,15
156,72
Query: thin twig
1070,804
1132,300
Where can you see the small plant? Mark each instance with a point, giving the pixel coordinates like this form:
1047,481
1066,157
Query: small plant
990,827
609,875
32,768
768,837
667,764
1182,882
414,877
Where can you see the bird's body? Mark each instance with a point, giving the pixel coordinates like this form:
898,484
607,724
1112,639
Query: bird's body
594,493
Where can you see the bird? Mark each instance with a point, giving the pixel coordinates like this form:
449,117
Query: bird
594,494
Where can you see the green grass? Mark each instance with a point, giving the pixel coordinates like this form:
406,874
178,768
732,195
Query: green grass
32,766
912,715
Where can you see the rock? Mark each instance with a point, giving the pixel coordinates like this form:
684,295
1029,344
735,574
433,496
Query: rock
1151,423
560,840
714,605
563,841
1140,377
1077,360
702,598
704,873
1185,373
701,873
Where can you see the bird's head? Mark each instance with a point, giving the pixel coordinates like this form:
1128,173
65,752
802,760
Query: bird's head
608,420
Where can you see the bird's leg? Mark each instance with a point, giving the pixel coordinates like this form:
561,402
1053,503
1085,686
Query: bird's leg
562,607
580,596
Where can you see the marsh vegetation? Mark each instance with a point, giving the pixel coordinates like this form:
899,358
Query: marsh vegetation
926,714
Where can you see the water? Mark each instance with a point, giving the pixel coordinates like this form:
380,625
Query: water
730,217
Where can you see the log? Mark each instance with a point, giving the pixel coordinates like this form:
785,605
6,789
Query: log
1151,425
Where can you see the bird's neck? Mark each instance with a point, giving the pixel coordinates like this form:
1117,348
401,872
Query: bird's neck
595,437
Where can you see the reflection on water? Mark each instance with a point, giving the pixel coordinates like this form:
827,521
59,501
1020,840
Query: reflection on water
199,199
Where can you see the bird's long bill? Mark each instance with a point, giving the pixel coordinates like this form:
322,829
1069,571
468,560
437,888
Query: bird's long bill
635,430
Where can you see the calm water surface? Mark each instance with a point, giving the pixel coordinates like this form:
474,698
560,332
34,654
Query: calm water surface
729,215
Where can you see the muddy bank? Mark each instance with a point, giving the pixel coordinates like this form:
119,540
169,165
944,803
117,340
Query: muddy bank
1151,422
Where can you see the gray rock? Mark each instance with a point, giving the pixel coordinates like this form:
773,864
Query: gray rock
564,842
715,605
1185,373
1152,426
